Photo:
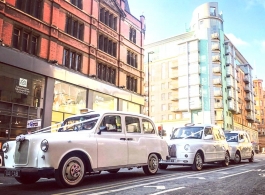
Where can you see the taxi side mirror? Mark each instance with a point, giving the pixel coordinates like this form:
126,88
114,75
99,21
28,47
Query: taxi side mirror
241,140
207,137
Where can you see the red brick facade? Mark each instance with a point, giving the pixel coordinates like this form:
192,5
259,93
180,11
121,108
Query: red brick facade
52,36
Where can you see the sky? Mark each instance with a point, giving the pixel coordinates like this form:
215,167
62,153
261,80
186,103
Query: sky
244,24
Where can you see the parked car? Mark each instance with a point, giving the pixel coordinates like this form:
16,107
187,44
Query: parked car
85,144
240,146
194,145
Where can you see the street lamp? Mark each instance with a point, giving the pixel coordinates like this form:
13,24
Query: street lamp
148,76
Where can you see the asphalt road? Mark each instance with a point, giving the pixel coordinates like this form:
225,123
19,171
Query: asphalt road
243,179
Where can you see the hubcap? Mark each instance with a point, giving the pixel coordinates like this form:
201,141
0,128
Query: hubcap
237,158
153,163
73,171
198,161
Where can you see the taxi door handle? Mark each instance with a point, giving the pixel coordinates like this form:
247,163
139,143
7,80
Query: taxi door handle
123,139
130,139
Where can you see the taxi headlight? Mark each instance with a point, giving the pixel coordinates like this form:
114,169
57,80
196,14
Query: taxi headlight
187,147
5,147
44,146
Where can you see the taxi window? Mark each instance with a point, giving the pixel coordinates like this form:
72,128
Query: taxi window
112,123
208,131
148,127
216,134
132,124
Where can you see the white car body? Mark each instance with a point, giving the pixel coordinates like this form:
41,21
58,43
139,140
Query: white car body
116,140
184,149
241,147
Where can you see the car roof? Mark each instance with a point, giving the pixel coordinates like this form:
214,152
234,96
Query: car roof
198,125
109,112
234,131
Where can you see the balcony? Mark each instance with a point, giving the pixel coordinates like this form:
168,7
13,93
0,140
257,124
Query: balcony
238,89
174,65
174,74
250,117
239,111
230,84
218,93
217,81
215,36
216,58
232,108
216,47
248,108
246,89
247,98
217,69
219,117
230,94
246,79
174,86
218,105
174,98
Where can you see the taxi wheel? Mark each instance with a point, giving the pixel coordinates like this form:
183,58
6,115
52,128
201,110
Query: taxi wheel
70,172
152,165
225,163
162,166
198,162
27,179
237,158
113,170
251,159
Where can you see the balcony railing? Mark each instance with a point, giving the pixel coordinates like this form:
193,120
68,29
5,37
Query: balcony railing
219,117
217,81
218,105
218,93
215,36
217,69
174,86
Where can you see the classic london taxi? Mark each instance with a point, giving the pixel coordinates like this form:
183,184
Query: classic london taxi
194,145
85,144
240,146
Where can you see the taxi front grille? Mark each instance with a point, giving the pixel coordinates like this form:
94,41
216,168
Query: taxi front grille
172,150
21,152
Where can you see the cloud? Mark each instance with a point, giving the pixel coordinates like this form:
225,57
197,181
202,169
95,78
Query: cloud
236,41
251,3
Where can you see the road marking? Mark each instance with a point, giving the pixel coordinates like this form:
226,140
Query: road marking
234,174
196,177
157,187
135,183
170,190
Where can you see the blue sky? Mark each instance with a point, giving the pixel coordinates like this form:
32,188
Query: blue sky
244,24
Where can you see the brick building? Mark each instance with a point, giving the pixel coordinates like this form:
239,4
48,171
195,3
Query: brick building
57,56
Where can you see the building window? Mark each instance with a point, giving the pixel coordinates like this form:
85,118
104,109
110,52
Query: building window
163,107
25,41
31,7
106,73
72,60
107,45
77,3
212,11
132,59
163,96
74,27
131,83
132,35
108,18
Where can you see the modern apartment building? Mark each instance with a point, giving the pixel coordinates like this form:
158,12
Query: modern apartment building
58,56
260,109
200,77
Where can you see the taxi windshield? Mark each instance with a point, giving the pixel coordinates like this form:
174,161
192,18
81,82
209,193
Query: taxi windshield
78,123
231,137
187,133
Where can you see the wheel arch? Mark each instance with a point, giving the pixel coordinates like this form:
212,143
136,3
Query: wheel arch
202,153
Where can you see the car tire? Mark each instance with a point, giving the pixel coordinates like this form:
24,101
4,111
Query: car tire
237,158
225,163
198,162
152,165
71,171
28,179
251,159
113,170
162,166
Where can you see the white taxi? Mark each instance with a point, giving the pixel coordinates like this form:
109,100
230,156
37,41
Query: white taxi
193,145
85,144
240,146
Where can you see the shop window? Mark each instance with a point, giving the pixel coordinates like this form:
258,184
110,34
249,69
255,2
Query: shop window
25,41
78,3
107,45
132,59
131,84
72,60
132,35
31,7
74,27
108,18
106,73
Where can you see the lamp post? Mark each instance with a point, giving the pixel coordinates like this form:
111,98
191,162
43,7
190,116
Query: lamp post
148,77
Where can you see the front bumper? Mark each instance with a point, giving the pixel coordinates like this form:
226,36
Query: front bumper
47,172
181,159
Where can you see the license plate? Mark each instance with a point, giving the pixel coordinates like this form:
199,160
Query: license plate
170,160
12,173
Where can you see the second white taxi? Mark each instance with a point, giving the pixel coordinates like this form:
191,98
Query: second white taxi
195,145
240,146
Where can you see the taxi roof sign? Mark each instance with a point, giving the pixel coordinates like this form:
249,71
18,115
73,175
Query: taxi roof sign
85,110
